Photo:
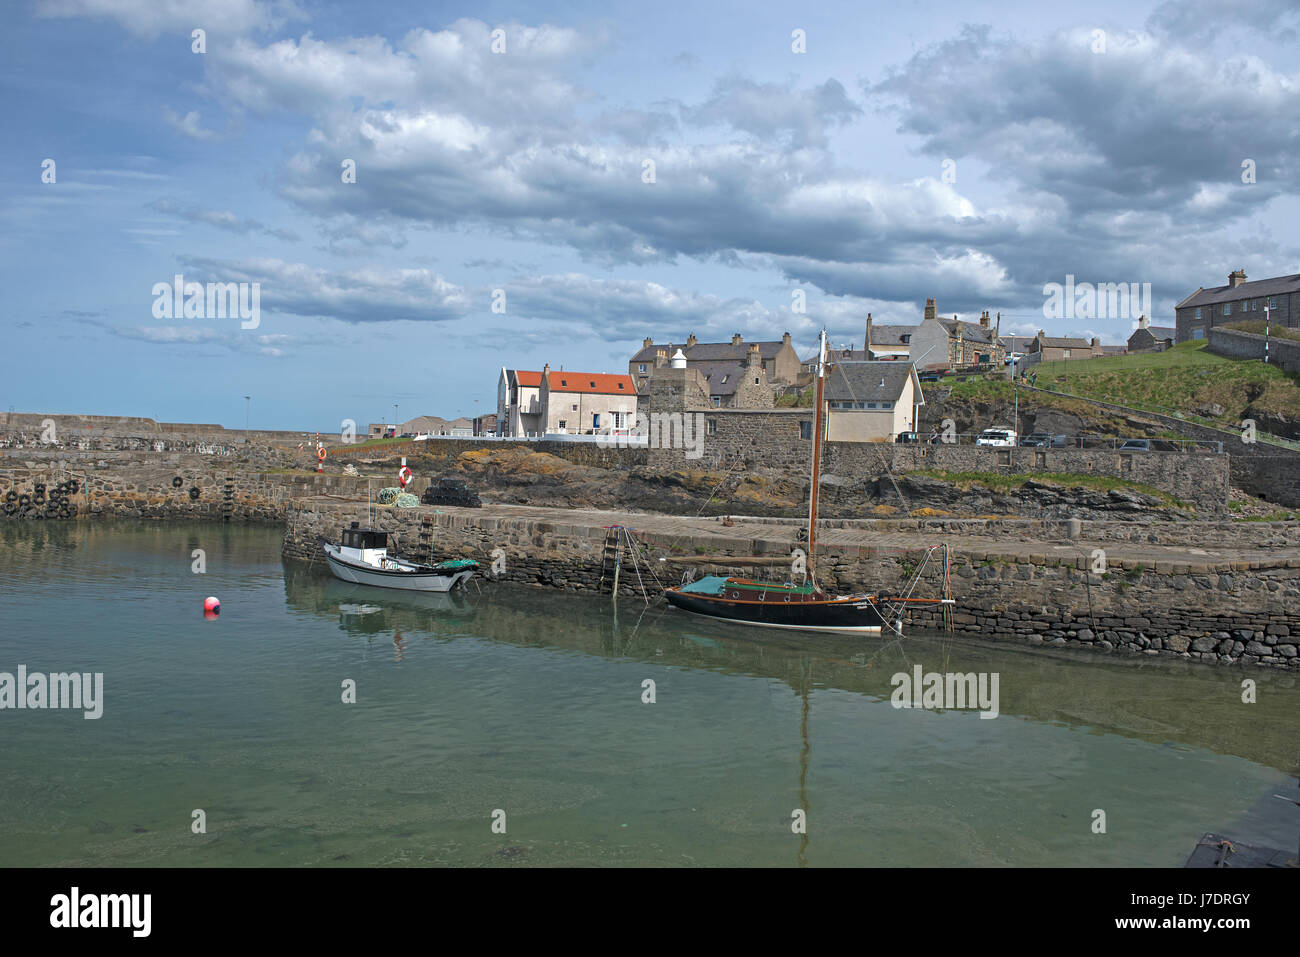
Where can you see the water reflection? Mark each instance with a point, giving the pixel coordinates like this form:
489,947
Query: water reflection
1167,702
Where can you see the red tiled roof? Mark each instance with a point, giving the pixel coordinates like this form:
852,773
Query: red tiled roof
596,383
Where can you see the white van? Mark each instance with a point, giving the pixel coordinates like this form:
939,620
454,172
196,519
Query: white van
998,437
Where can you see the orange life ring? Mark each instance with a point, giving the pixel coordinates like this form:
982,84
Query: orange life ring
404,476
320,453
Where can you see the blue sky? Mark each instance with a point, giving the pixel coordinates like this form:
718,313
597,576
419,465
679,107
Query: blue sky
524,171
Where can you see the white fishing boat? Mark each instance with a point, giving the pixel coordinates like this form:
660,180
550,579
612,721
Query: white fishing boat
361,557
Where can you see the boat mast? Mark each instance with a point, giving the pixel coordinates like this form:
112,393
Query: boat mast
816,455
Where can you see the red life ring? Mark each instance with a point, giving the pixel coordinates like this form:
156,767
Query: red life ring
320,453
404,476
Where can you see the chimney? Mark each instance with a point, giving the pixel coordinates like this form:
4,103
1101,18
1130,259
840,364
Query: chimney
691,340
985,319
736,340
647,342
931,311
755,358
866,346
785,339
661,356
1235,279
1040,334
1096,343
1143,322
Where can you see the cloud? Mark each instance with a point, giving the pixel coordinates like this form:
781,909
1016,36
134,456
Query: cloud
770,111
152,18
221,219
189,126
362,295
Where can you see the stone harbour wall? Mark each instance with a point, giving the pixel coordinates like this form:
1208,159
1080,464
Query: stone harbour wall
1245,612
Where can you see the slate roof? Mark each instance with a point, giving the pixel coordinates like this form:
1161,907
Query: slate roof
722,377
891,335
969,330
1059,343
1016,343
867,381
711,351
1258,289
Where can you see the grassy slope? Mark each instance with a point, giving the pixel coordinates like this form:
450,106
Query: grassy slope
1183,379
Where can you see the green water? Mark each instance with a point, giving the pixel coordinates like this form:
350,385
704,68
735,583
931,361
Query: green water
531,702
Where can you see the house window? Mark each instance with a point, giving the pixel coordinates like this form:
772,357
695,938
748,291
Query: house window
713,426
641,367
1227,308
755,380
886,405
1198,315
575,409
871,405
1254,305
716,400
595,420
1272,303
805,429
1065,353
564,424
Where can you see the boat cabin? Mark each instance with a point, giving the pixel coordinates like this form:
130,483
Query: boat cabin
365,544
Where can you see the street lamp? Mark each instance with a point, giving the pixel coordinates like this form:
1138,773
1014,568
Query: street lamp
248,401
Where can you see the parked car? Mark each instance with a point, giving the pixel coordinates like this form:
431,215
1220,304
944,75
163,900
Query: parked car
1012,357
930,376
1136,445
908,437
997,437
1044,440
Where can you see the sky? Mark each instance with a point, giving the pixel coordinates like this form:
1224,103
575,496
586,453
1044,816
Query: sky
422,193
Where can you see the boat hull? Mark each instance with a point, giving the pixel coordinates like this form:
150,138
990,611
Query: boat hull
850,615
430,581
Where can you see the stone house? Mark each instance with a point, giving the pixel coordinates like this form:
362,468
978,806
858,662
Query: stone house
1238,300
779,360
1149,338
519,402
955,344
871,401
585,403
1047,348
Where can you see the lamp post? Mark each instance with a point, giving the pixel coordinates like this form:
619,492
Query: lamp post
395,421
248,401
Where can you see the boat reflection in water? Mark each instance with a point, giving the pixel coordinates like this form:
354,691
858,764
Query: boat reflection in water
367,612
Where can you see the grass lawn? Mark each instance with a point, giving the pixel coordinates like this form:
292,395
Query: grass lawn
1183,379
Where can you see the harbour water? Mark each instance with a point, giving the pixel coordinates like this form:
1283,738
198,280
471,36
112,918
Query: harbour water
533,703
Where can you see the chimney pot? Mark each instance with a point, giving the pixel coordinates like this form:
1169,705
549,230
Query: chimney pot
647,342
736,340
